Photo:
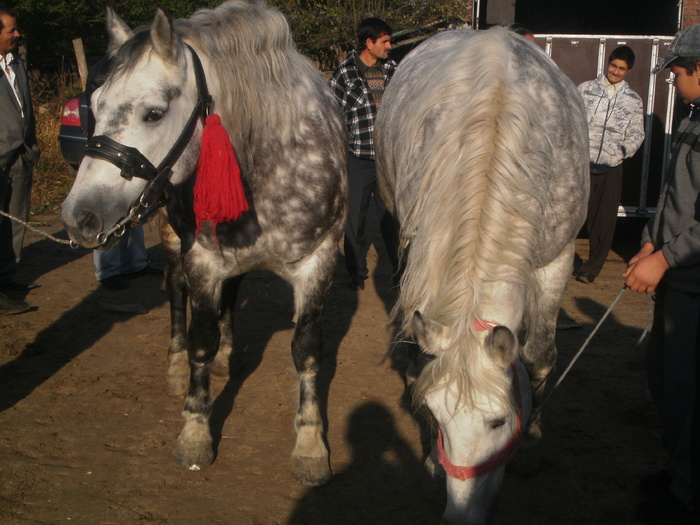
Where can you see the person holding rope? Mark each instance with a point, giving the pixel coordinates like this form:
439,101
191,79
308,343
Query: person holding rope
669,265
19,154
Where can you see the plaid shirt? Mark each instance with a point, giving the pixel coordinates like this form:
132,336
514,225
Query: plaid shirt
352,91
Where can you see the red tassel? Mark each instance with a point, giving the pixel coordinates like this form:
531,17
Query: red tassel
218,190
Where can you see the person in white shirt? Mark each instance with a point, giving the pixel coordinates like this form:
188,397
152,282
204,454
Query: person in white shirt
19,154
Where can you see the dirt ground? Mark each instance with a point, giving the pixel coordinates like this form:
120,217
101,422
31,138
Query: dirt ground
87,432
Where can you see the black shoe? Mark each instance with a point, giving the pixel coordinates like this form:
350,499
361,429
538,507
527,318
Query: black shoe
18,286
656,483
116,282
585,277
10,307
666,510
148,270
357,283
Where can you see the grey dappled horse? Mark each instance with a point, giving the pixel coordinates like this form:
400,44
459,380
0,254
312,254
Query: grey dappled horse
290,142
483,158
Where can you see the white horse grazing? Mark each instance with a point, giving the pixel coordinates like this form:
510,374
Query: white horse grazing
483,159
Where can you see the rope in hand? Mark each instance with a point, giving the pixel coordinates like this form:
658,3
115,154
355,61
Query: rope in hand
40,232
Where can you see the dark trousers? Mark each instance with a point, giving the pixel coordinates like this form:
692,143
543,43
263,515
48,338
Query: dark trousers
673,370
8,262
606,189
362,184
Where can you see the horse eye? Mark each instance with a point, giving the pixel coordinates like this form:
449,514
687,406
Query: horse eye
154,115
497,422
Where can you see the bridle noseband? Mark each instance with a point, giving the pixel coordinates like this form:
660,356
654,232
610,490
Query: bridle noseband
132,163
507,452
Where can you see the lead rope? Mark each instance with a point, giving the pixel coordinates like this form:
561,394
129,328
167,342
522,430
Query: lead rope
40,232
585,344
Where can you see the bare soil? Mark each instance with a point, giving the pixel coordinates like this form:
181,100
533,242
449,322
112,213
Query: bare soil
87,432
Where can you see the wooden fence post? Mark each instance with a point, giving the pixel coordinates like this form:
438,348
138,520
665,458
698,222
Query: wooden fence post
82,62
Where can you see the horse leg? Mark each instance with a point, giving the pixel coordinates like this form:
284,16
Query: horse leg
229,292
539,352
178,369
194,445
310,457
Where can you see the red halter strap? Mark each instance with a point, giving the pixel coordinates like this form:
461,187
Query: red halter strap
507,452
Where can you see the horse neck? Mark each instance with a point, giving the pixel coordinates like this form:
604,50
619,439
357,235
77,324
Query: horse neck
502,303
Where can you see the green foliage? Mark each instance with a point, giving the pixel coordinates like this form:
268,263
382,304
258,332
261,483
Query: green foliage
49,26
324,30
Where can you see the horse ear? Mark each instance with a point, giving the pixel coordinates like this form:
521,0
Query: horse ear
428,332
118,32
163,36
501,345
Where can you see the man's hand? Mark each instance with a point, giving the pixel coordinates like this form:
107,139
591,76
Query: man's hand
645,269
647,249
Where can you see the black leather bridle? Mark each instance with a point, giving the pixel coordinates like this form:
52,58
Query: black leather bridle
133,163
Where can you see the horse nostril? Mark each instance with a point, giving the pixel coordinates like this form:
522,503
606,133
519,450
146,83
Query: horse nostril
89,224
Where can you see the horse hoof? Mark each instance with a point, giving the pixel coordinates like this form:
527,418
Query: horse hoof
220,366
311,472
195,456
178,376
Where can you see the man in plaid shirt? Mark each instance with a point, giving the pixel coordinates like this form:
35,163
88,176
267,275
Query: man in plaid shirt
359,83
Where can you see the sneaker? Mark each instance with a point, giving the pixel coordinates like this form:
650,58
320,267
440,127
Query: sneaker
656,483
148,270
356,283
18,286
585,277
116,282
666,510
11,307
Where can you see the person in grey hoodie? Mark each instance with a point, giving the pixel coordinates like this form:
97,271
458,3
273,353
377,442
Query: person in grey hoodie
615,131
669,264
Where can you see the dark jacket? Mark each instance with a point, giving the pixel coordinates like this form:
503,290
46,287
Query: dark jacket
675,229
359,110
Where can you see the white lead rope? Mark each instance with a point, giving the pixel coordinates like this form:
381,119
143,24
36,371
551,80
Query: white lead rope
37,230
585,344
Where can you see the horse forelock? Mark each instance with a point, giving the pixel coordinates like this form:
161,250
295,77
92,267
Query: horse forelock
476,217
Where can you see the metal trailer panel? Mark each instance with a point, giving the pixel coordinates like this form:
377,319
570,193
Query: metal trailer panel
584,57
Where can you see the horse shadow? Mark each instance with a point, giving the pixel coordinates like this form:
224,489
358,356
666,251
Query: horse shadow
599,429
374,487
264,306
78,328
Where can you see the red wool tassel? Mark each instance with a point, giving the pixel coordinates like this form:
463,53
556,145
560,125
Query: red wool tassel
218,190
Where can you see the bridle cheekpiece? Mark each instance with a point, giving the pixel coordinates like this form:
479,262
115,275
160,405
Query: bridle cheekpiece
133,163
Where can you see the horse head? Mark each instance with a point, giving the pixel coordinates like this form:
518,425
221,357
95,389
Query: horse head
149,107
478,432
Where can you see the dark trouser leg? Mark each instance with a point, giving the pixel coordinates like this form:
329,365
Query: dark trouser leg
21,174
603,203
361,183
8,262
388,229
672,362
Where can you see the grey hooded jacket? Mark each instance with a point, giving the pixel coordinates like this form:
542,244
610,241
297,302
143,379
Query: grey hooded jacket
615,126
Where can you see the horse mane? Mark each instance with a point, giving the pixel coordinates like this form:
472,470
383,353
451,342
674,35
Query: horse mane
264,80
475,221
